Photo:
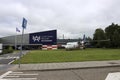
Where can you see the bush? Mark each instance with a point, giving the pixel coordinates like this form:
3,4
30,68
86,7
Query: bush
5,51
8,50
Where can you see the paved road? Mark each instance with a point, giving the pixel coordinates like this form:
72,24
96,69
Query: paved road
6,61
78,74
5,67
8,58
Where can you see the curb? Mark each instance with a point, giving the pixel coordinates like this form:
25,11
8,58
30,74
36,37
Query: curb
69,68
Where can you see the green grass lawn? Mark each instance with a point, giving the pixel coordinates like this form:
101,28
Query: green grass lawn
39,56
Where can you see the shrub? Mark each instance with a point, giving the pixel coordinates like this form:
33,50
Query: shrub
8,50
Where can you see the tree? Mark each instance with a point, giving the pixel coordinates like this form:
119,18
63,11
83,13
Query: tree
115,38
89,38
113,33
98,36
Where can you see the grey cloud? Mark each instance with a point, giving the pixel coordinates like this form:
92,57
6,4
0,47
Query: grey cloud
73,18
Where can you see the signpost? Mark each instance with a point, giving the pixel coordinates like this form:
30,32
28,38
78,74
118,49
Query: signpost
24,24
0,48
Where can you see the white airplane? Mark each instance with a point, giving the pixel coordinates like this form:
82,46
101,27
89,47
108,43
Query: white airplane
71,45
75,45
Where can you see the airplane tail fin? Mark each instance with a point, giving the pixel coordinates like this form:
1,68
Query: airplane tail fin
84,39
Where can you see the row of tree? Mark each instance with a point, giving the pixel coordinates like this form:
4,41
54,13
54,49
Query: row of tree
110,37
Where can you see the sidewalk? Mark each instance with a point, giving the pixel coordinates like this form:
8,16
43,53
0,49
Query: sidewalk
69,65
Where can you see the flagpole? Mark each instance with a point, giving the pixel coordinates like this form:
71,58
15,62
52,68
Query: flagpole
15,40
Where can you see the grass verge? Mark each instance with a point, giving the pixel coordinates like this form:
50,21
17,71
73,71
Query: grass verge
50,56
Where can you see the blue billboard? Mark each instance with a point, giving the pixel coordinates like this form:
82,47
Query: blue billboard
44,38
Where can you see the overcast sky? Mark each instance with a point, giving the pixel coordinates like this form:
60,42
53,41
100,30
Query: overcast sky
73,18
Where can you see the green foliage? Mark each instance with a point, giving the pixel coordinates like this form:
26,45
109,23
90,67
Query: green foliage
98,36
113,33
110,38
9,49
5,51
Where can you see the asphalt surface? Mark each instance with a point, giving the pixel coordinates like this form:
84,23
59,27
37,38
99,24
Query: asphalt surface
78,74
98,73
8,58
6,61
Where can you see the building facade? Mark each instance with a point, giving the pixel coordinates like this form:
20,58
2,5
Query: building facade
36,40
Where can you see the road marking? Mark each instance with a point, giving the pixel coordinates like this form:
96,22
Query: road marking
9,57
16,76
5,74
113,76
12,57
11,76
2,58
17,72
11,62
24,74
20,79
